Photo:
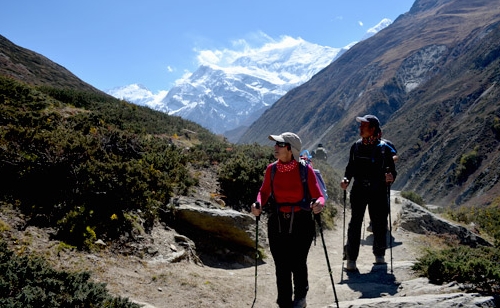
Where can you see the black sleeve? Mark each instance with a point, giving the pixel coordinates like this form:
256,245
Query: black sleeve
389,162
349,170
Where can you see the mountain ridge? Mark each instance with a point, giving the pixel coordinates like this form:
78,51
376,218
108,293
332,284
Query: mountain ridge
26,65
391,75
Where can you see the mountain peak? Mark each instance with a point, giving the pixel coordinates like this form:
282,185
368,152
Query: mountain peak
232,88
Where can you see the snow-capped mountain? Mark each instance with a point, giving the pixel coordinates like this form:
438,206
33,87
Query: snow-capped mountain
139,95
223,97
380,26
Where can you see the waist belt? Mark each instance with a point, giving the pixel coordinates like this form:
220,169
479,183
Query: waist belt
288,208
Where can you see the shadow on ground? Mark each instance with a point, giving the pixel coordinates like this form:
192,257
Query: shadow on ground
378,282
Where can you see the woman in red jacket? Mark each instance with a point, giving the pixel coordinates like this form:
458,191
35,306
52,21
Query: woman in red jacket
290,225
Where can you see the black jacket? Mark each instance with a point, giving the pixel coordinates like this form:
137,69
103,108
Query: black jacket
368,164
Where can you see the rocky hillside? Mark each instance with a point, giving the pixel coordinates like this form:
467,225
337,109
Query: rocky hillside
35,69
432,79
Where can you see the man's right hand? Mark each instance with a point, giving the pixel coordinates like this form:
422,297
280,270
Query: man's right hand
344,184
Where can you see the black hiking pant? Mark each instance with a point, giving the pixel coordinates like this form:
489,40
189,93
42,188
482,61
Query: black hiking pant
378,209
289,251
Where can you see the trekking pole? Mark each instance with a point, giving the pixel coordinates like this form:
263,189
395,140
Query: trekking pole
343,243
363,236
257,218
390,221
317,217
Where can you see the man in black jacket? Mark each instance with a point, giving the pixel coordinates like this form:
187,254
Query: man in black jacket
372,167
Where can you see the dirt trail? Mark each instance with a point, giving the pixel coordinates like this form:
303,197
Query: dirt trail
156,283
371,281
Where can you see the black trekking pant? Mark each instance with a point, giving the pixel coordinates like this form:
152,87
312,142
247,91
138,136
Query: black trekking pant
378,209
289,251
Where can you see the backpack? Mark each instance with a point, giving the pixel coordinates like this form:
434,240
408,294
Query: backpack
382,144
321,183
303,175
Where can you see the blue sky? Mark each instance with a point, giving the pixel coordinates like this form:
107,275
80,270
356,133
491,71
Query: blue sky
111,43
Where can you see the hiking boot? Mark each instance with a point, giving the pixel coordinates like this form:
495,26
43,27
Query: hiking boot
284,304
300,303
351,265
379,260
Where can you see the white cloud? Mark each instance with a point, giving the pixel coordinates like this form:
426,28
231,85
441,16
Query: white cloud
207,57
243,48
360,23
184,77
170,69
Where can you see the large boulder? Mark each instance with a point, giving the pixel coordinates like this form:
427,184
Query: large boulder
226,224
417,219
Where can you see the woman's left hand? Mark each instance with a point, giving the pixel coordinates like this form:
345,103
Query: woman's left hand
316,207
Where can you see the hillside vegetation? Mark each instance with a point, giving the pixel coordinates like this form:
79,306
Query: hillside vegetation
96,167
91,167
88,164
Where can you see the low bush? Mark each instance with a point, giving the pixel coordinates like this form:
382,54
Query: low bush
486,219
413,196
83,171
242,173
29,282
468,164
478,269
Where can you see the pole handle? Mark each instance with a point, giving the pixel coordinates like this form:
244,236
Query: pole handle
388,170
257,206
317,217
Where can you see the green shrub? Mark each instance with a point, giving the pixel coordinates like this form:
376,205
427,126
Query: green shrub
477,268
75,168
413,196
486,219
242,173
30,282
496,127
467,165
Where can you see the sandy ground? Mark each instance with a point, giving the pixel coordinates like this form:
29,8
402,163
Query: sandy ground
156,283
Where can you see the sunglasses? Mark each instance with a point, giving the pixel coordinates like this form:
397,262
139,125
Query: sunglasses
281,144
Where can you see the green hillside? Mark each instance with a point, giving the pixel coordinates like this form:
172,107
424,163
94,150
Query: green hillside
86,162
96,167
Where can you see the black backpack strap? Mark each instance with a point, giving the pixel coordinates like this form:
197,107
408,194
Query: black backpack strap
382,145
356,149
274,204
303,169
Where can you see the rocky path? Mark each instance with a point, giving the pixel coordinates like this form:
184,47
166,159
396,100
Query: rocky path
373,285
155,283
162,282
371,281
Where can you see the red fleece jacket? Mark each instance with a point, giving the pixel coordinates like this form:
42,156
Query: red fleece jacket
288,187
